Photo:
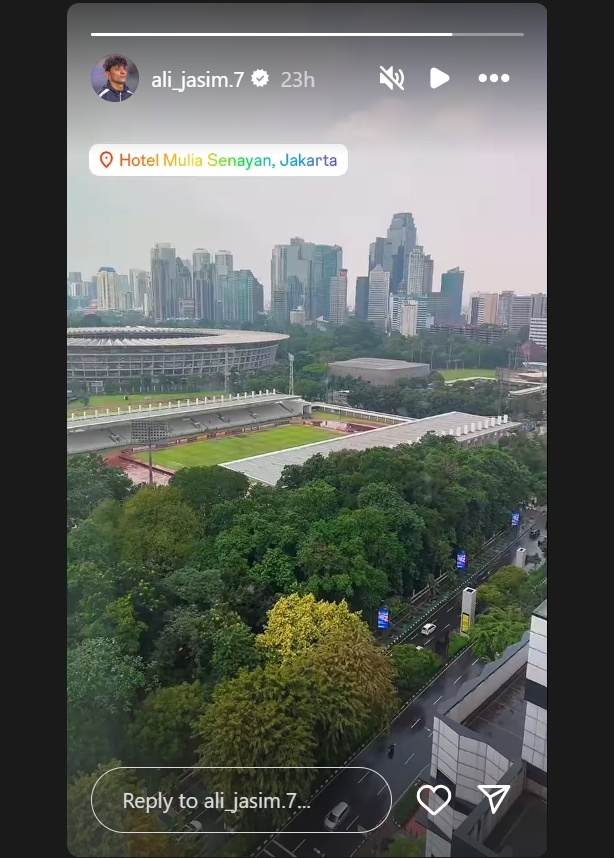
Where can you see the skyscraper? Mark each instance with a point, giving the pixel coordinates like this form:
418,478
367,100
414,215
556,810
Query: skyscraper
244,297
484,308
419,272
223,267
203,278
108,292
376,253
504,309
163,273
400,240
184,296
408,323
301,275
339,298
379,292
361,309
452,282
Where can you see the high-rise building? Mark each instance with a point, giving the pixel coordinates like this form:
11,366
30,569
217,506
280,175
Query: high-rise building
484,308
163,272
327,264
408,323
376,253
290,278
184,293
379,292
108,293
429,270
301,274
361,309
539,305
504,308
419,270
521,312
339,298
223,267
538,331
74,277
137,284
244,297
401,239
452,282
203,279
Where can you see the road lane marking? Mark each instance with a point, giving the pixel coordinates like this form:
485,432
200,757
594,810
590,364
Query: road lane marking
366,775
446,627
268,853
437,701
350,825
383,788
281,846
408,759
300,844
474,662
414,724
459,679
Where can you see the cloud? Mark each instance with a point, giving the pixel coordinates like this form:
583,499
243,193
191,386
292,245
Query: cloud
387,123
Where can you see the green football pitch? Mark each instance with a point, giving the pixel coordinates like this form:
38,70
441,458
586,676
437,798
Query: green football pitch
218,451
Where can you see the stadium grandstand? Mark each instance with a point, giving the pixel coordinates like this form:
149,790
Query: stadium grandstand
209,417
113,355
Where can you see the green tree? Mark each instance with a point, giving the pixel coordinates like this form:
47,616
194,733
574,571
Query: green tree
203,488
261,718
102,687
162,732
234,650
277,571
89,482
413,668
494,632
158,528
296,623
88,838
200,587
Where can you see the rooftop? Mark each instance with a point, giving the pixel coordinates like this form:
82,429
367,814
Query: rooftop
376,363
522,832
501,719
267,468
139,336
542,610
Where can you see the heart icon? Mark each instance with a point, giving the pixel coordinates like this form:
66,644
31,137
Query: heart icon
434,789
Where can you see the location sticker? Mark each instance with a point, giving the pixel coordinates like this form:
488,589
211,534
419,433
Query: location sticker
423,802
106,159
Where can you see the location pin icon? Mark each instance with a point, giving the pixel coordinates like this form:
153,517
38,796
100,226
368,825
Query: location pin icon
106,159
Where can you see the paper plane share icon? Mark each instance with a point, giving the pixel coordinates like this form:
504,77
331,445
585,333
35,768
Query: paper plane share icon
495,793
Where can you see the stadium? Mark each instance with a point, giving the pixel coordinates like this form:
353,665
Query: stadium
113,355
257,434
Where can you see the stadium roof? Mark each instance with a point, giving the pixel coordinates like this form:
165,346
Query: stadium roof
376,363
137,337
267,468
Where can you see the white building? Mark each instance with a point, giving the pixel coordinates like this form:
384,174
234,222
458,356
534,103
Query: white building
408,325
339,299
538,331
493,731
108,293
379,291
419,272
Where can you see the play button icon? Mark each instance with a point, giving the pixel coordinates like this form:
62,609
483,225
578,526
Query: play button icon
438,78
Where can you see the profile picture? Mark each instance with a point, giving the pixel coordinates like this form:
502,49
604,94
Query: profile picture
115,78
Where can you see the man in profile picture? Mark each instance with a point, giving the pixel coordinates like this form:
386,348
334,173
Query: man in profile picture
116,70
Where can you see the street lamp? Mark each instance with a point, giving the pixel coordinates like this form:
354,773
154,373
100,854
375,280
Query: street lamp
148,432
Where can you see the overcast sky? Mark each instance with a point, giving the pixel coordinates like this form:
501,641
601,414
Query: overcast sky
468,160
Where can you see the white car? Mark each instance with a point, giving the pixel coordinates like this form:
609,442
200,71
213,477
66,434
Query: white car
336,816
428,629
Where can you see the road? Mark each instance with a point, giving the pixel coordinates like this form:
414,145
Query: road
369,799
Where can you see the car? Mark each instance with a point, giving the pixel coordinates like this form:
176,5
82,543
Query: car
419,647
333,820
428,629
194,825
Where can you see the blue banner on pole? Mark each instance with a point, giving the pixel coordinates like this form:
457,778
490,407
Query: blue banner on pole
383,618
461,560
515,519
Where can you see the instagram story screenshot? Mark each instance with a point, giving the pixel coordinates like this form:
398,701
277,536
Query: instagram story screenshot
306,430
